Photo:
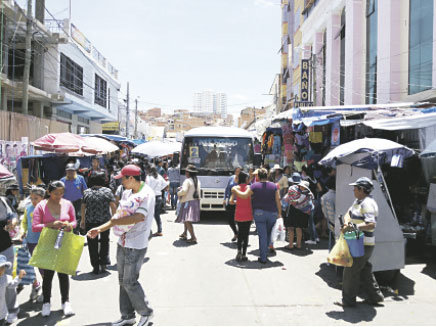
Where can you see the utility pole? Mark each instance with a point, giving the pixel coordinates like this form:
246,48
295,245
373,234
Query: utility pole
27,58
127,112
136,118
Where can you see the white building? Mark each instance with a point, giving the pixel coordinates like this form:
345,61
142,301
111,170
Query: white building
86,83
209,102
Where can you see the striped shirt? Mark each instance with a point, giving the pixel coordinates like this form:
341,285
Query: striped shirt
365,210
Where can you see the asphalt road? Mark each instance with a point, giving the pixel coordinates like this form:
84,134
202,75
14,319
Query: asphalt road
203,285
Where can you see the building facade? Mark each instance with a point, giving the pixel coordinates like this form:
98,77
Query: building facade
208,102
359,52
85,81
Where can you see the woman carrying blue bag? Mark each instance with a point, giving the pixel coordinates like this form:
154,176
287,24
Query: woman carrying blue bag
30,240
362,216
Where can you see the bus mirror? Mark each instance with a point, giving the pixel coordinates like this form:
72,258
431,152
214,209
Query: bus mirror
257,160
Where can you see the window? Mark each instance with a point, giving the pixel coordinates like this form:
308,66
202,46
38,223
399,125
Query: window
71,75
342,62
109,99
83,120
420,45
371,52
64,114
100,91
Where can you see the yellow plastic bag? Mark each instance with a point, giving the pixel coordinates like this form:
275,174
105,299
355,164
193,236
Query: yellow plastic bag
340,254
64,260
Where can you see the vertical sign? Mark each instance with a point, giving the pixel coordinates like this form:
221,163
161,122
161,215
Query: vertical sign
336,133
304,94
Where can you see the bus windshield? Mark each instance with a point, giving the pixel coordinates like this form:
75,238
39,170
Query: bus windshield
217,155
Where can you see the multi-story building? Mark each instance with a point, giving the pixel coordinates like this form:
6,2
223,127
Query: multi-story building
250,115
70,82
84,79
208,102
361,52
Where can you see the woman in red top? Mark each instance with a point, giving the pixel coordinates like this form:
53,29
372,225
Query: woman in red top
243,217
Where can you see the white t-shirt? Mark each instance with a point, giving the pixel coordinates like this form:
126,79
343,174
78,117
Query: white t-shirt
137,236
156,184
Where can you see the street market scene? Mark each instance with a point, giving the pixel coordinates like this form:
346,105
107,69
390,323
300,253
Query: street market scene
185,188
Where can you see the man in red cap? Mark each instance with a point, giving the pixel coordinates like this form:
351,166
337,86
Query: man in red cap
132,246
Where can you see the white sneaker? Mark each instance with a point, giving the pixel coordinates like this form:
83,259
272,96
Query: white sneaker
124,322
12,317
46,310
310,242
145,320
68,310
35,292
317,240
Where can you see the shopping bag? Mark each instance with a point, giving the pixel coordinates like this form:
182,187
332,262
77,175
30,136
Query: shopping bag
23,257
355,243
278,232
64,260
340,254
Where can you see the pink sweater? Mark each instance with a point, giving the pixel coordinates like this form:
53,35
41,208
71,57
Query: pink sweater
42,215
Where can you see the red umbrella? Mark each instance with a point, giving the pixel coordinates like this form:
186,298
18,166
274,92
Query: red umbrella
4,173
63,143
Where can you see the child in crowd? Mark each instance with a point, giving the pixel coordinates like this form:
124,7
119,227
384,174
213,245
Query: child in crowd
31,238
6,281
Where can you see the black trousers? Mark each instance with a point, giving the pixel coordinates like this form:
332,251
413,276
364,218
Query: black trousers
243,233
64,285
98,257
230,210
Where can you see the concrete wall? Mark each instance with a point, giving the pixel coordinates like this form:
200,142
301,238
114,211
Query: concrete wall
14,125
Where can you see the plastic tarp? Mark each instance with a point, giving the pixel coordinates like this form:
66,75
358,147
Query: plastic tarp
366,152
315,118
115,138
157,148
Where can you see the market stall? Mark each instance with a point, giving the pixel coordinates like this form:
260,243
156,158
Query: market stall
364,158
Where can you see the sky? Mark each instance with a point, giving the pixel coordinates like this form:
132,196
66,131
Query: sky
169,49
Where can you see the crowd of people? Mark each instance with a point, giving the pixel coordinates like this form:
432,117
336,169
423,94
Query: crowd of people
128,196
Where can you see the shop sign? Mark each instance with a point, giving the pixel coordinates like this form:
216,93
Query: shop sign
336,133
112,126
299,104
304,94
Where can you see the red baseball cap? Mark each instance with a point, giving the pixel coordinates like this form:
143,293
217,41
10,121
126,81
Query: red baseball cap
129,170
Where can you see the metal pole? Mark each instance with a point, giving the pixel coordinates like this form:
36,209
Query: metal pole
136,118
69,13
1,58
127,112
27,59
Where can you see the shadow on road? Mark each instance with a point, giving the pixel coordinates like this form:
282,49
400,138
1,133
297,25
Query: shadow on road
182,244
328,275
29,307
304,251
361,313
430,270
38,320
231,245
253,264
91,276
213,218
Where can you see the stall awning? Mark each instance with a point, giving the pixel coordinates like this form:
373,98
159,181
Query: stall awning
420,120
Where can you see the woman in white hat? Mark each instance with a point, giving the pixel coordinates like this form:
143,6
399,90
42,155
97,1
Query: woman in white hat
300,199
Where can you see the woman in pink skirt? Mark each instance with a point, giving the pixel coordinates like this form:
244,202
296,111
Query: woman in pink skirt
189,204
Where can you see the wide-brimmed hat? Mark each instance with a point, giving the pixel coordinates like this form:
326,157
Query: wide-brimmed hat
191,169
305,184
256,172
4,262
277,167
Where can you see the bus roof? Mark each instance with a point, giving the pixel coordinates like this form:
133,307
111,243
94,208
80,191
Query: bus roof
219,132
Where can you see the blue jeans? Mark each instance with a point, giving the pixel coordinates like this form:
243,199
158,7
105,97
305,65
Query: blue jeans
173,192
265,221
313,235
132,296
157,211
